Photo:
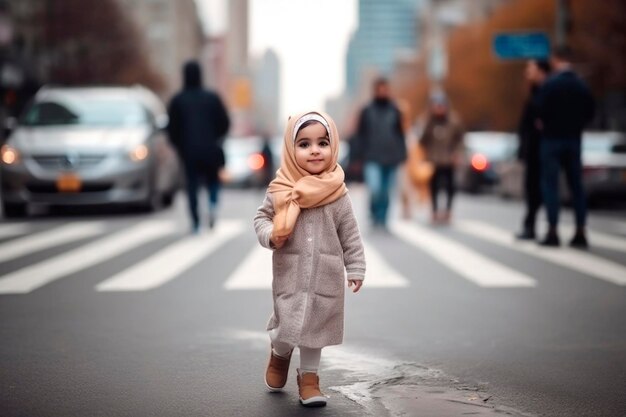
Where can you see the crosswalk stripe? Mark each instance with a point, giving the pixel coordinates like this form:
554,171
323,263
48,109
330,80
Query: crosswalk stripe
57,236
619,227
13,229
601,240
255,272
168,263
42,273
462,260
577,260
379,274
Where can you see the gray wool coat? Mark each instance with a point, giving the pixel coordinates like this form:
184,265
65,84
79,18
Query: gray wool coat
309,276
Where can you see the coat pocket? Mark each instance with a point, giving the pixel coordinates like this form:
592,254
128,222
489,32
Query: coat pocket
330,276
285,271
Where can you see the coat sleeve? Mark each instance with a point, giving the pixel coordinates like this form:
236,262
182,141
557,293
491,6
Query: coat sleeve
589,106
400,136
523,131
350,238
459,132
223,121
358,144
173,125
264,222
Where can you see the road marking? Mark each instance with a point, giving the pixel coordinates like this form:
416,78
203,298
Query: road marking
168,263
255,272
601,240
379,274
57,236
619,227
13,229
577,260
34,276
462,260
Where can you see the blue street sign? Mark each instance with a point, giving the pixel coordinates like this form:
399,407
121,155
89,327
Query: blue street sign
521,45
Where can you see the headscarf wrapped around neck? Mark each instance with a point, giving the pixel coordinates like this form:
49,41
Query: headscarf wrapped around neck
294,188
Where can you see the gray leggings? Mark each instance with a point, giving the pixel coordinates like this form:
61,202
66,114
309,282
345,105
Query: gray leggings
309,358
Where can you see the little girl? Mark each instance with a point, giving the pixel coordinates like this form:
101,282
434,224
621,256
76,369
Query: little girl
307,220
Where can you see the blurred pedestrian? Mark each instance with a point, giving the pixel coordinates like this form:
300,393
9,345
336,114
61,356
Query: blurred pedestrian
380,144
442,140
197,127
308,221
565,106
537,71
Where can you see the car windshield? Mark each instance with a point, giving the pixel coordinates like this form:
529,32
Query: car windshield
85,112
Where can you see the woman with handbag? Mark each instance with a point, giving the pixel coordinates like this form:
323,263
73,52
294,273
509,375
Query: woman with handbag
442,140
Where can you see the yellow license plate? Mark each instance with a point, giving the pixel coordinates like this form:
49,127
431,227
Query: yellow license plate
69,183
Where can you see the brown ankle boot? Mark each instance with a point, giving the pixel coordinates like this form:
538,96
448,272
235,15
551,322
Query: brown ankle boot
309,388
277,371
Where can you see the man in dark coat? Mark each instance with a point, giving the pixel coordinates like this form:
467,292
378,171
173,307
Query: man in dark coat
537,71
198,122
565,106
380,144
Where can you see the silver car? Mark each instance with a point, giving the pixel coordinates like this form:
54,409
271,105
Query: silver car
89,146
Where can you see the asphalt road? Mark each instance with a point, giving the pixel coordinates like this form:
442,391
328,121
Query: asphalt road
105,313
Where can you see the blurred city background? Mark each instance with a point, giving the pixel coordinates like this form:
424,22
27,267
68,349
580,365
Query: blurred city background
113,301
263,74
417,44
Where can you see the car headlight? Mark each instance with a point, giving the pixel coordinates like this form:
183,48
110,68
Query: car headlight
139,153
9,155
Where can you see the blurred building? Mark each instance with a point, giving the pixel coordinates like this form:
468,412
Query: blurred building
240,97
21,32
238,37
68,42
173,33
215,63
385,29
437,18
266,93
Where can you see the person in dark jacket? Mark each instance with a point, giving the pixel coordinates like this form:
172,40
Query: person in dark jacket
537,71
198,122
380,145
565,106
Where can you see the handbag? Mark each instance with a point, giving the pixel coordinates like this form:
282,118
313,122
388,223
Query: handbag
420,169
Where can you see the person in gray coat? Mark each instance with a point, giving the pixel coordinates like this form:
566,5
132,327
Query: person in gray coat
307,221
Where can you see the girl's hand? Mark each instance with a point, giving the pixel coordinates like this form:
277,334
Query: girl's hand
278,241
357,284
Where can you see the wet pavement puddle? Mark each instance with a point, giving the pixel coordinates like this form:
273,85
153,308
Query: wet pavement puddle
384,387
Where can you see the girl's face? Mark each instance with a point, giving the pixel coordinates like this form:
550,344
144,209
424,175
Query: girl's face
312,149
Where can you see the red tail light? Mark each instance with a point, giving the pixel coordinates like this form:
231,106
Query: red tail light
479,162
256,161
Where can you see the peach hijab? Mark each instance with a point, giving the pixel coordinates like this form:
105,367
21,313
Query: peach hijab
294,188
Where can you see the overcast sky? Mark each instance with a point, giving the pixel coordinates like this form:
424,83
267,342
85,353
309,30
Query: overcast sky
310,38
